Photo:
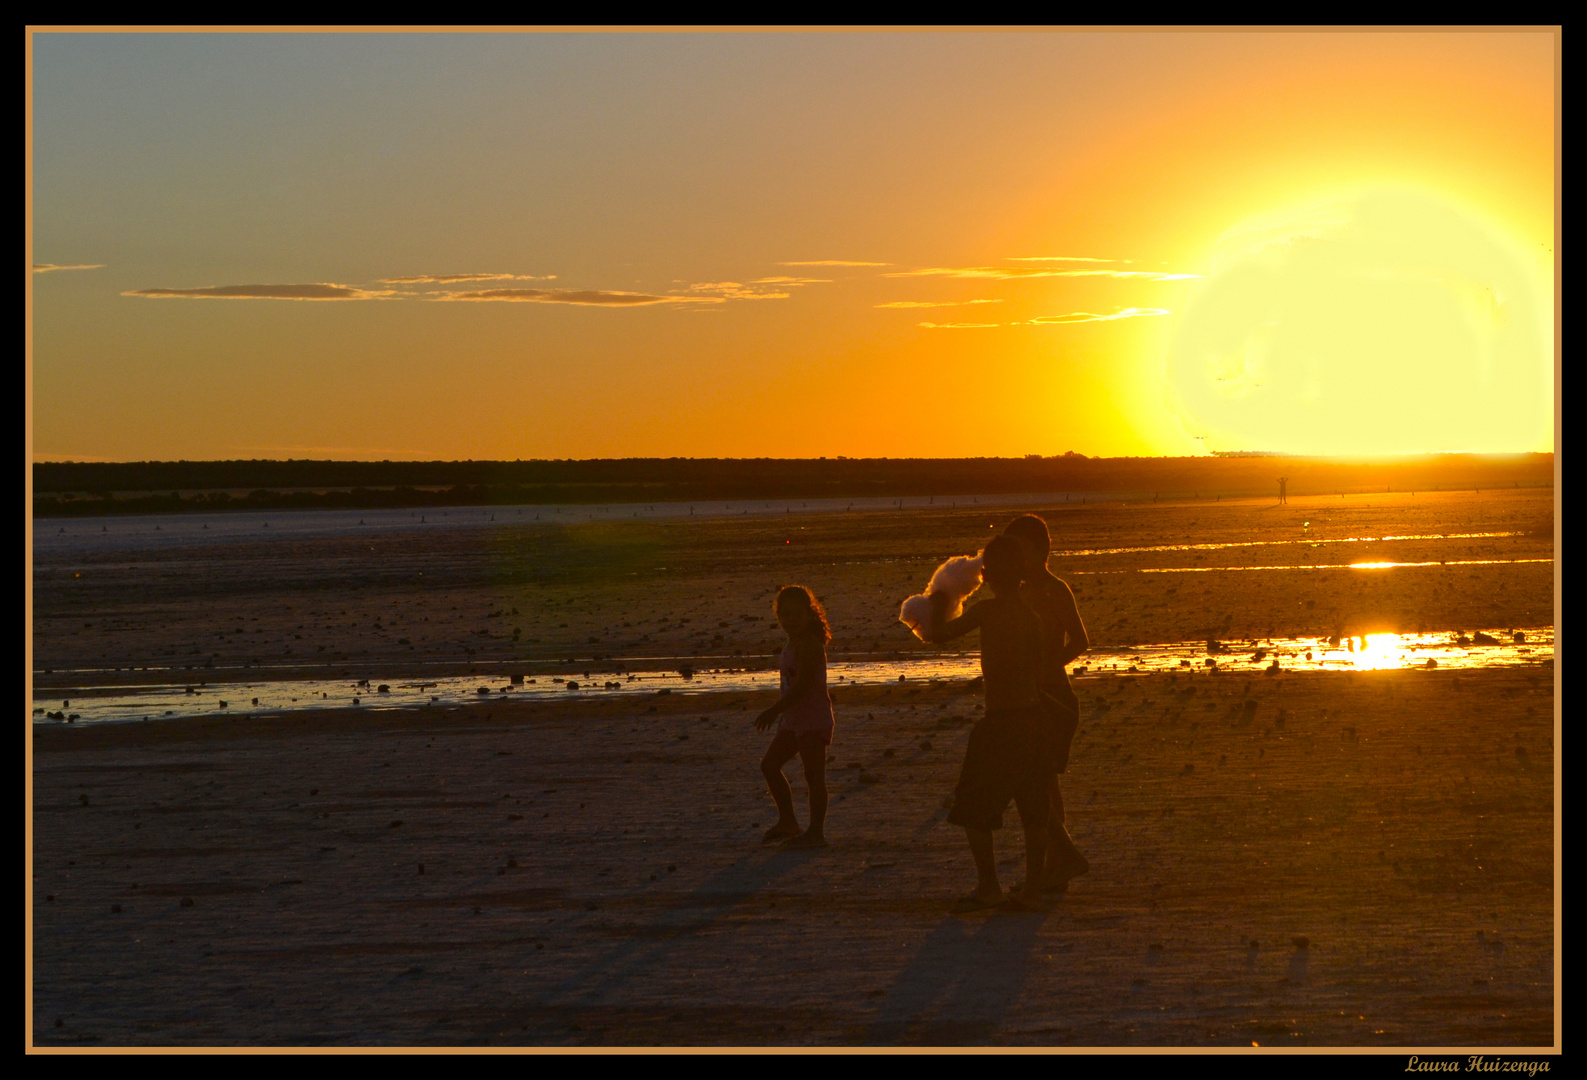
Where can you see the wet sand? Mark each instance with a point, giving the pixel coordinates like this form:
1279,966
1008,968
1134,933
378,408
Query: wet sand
591,875
453,601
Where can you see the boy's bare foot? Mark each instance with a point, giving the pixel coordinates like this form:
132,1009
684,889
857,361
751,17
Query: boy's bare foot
1024,898
806,840
980,900
781,831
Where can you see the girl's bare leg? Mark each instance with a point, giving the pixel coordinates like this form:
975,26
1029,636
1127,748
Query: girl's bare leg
781,751
1035,862
1064,860
987,885
813,752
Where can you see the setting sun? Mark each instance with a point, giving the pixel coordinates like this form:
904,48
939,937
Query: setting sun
1384,324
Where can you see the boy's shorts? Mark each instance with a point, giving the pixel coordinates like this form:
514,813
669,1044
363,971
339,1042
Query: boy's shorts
1007,760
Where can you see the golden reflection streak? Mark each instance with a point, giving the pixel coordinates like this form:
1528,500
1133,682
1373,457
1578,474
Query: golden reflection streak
1274,543
1324,566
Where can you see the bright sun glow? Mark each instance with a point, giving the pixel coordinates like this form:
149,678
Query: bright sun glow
1381,325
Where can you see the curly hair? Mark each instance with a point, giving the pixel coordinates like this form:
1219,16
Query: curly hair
800,598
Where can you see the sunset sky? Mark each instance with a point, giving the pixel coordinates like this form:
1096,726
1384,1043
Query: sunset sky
791,244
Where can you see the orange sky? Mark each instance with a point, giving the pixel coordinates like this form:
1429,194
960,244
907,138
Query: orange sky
725,245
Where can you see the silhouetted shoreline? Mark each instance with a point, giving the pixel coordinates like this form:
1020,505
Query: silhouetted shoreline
91,489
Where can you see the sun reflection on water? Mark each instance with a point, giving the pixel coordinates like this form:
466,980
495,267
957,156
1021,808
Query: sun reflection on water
1381,651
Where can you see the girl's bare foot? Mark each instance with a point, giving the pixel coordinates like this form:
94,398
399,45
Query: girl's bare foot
781,831
1024,898
1065,865
980,900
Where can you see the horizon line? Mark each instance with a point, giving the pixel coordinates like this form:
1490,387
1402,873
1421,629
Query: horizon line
1226,455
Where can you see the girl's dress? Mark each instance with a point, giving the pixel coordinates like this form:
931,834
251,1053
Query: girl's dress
811,712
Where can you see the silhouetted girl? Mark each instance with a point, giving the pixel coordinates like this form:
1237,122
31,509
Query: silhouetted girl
803,715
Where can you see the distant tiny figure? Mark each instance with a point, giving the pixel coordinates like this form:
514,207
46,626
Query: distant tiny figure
1007,755
1283,491
803,715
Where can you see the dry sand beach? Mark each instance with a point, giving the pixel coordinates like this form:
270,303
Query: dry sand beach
1299,859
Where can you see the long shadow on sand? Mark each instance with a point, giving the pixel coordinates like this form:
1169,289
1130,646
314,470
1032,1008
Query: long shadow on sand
961,983
675,926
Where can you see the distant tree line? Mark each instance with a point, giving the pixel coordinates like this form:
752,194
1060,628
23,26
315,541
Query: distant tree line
94,488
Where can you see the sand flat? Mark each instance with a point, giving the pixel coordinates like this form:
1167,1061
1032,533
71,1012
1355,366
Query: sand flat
591,871
591,875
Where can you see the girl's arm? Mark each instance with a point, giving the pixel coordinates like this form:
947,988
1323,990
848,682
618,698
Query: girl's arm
942,629
1077,641
808,651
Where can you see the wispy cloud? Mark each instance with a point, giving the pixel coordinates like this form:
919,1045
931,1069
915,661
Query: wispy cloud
314,291
447,279
1086,316
935,303
1063,258
734,290
791,281
1006,273
581,297
46,268
832,262
1053,320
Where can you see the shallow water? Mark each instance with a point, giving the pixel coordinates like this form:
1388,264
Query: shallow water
1372,652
